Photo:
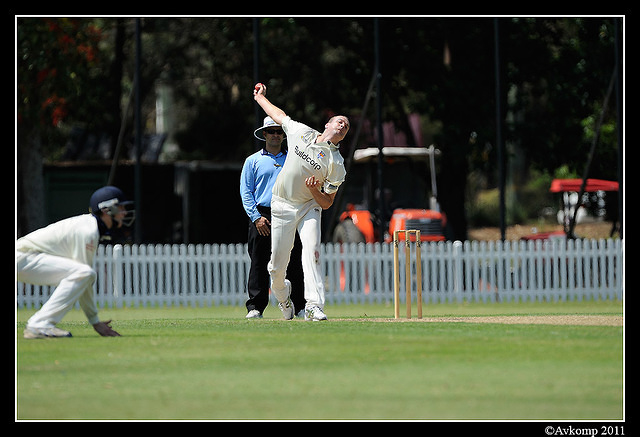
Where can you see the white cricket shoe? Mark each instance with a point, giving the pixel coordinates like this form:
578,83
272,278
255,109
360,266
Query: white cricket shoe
314,313
287,309
45,332
253,314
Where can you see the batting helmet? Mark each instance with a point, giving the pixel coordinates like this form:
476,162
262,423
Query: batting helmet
107,199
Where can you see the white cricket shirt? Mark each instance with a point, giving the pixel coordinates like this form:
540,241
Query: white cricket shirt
307,158
75,238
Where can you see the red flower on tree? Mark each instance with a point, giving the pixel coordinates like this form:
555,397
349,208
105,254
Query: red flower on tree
57,107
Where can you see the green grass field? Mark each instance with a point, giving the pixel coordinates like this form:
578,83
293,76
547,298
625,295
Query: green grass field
212,364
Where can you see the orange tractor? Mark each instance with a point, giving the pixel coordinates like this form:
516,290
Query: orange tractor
406,195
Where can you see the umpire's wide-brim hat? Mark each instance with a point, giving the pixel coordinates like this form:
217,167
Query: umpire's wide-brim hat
266,124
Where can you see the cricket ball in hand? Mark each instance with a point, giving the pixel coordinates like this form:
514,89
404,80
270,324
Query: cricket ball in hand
259,85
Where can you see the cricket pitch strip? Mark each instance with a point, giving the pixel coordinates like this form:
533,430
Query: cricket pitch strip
580,320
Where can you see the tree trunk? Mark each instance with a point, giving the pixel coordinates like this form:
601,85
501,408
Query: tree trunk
30,186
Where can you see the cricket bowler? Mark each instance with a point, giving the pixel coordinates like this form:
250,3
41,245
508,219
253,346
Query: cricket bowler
307,184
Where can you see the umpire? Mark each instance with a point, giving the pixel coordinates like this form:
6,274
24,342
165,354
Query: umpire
258,175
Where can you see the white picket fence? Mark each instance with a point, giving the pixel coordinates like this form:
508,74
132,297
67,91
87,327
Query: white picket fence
216,274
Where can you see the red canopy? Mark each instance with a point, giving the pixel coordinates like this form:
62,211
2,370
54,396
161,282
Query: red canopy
563,185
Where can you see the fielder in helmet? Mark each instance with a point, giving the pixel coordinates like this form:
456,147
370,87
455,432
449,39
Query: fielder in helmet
111,207
61,255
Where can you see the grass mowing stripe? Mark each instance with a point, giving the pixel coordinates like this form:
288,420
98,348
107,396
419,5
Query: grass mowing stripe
199,366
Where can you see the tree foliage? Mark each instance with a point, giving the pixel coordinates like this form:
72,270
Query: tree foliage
554,72
58,70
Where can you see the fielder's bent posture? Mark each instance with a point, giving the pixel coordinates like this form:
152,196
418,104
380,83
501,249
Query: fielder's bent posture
307,184
61,255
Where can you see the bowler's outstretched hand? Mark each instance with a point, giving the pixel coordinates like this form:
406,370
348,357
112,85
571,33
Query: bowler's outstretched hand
260,88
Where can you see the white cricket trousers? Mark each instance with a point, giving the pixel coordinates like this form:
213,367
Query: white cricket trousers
74,283
286,217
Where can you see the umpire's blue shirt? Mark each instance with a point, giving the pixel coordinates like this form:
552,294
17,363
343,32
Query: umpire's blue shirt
258,175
